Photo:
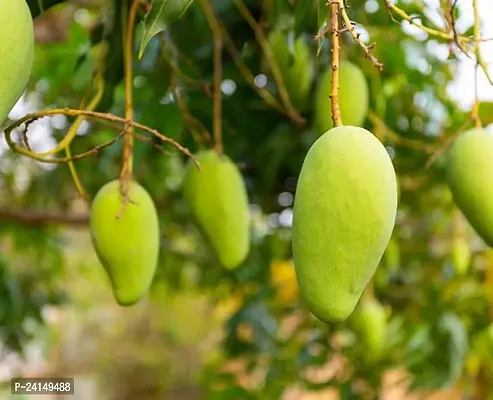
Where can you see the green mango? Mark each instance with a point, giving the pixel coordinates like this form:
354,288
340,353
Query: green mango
461,255
16,53
297,69
353,97
469,176
344,214
369,322
218,200
126,239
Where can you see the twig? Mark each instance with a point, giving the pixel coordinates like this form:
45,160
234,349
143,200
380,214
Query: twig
218,72
392,8
356,36
477,39
34,218
89,114
334,94
444,146
396,138
276,72
75,126
454,29
247,74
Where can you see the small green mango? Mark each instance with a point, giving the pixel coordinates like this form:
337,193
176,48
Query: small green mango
16,53
369,322
218,200
297,69
469,176
344,214
353,97
126,242
461,255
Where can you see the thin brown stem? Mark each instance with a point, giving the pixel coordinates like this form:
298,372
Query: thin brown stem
348,25
218,72
90,115
267,51
247,74
334,94
477,51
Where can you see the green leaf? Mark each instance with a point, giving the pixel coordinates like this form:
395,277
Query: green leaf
161,14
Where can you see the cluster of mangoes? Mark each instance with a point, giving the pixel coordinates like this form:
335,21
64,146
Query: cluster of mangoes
217,197
346,197
347,194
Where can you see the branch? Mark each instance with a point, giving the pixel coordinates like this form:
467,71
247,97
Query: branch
276,72
218,71
89,114
356,36
38,219
334,94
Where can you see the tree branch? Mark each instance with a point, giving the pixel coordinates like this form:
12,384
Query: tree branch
39,218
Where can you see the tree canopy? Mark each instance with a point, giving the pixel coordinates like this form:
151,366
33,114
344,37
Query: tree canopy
205,74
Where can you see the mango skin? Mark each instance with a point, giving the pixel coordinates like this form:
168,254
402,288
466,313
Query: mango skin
344,214
469,176
297,69
16,53
218,200
127,247
353,97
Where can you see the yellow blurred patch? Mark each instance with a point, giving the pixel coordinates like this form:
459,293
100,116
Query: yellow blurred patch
283,278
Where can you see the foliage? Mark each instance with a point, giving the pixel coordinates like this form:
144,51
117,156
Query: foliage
434,313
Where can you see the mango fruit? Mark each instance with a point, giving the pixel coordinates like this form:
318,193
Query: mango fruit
469,176
369,322
126,239
461,255
218,200
344,214
297,68
16,53
353,97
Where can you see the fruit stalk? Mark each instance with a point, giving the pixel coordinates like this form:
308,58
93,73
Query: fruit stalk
127,167
218,72
334,94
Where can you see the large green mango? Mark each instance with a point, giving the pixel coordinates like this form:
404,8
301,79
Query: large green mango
353,97
126,240
470,178
297,69
344,214
218,200
16,52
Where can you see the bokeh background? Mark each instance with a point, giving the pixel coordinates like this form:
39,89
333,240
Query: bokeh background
203,332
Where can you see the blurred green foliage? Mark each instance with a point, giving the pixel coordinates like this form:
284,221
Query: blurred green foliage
434,313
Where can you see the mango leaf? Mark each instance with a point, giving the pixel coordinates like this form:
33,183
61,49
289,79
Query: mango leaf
161,14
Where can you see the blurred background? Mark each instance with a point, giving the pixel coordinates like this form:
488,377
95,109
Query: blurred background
204,332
